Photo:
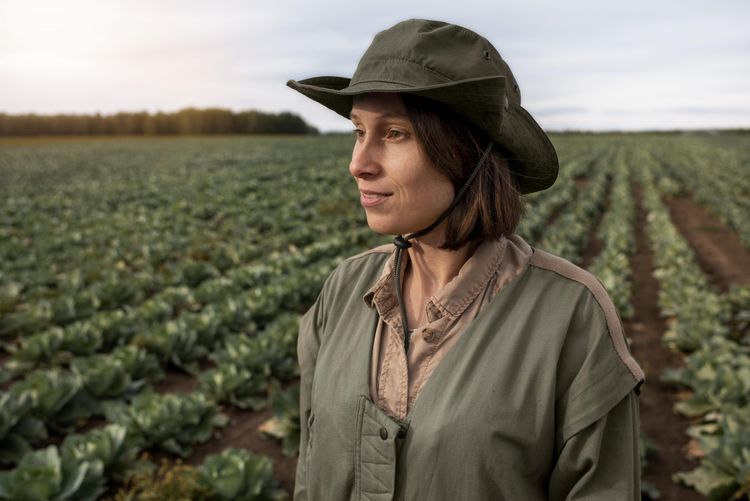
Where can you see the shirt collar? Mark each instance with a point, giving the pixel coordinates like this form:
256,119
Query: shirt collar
455,296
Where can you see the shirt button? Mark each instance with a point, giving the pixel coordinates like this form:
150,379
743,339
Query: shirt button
428,335
434,313
383,433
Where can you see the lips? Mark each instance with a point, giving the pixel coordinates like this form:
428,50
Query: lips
369,198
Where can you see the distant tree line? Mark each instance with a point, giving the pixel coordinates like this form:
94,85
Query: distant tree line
186,121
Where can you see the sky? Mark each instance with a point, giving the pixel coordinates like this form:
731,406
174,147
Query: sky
580,64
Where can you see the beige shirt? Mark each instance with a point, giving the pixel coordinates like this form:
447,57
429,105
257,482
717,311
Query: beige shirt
395,379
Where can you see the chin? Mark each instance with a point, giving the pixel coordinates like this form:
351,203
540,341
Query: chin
382,226
380,230
387,226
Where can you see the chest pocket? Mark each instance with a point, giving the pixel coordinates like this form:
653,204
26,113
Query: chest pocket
376,450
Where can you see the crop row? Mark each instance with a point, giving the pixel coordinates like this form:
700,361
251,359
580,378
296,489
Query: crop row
568,235
723,190
170,422
246,368
82,467
244,364
717,369
56,242
542,206
121,289
248,295
612,265
699,312
61,399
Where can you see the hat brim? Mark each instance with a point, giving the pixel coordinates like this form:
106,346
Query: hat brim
530,152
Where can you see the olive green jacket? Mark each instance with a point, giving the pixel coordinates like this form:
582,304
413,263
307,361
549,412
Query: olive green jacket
535,401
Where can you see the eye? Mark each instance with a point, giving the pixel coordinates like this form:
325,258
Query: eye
395,134
358,133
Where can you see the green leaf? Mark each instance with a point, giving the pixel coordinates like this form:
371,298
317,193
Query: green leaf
38,477
708,480
105,444
74,476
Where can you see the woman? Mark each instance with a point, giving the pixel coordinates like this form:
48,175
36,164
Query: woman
462,364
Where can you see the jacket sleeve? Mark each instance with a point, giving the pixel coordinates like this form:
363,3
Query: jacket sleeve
308,343
602,461
597,415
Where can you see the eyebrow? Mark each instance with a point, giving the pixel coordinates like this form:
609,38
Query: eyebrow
390,114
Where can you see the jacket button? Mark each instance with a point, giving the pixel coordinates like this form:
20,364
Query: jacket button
401,433
383,433
428,335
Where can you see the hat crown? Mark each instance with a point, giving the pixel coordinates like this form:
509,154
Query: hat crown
420,52
458,68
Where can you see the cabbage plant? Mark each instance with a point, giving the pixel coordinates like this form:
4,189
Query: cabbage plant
724,470
107,445
239,475
235,385
285,423
42,476
172,422
18,428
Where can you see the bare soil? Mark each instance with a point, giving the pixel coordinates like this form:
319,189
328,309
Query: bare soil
658,421
581,182
177,382
719,250
242,432
594,245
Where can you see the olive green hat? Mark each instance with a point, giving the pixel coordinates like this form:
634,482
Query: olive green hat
457,67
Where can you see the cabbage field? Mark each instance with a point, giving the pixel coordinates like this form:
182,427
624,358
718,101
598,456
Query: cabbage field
150,291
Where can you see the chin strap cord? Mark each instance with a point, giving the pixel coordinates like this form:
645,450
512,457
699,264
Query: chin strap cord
402,243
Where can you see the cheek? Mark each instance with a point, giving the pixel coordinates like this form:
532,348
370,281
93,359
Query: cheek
420,186
436,192
445,191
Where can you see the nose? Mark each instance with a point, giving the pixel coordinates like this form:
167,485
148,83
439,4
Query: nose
365,162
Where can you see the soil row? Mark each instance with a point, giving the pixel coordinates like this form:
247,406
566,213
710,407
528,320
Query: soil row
726,262
659,423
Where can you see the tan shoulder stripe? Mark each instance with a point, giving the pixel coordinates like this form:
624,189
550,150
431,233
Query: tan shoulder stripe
547,261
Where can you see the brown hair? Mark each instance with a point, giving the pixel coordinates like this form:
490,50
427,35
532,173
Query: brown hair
492,205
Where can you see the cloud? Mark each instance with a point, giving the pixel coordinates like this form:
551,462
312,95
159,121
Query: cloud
581,62
559,110
683,110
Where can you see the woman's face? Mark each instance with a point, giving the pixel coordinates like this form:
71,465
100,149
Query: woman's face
400,189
